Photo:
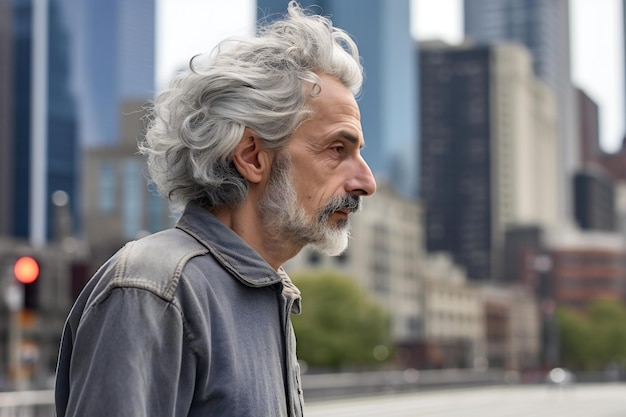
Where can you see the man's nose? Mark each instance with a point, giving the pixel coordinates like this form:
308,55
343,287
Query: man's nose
362,182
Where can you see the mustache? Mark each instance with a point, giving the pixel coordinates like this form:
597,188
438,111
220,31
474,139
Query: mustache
351,203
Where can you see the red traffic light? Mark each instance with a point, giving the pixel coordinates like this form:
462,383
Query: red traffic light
26,270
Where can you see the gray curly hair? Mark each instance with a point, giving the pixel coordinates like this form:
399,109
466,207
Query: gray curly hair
196,124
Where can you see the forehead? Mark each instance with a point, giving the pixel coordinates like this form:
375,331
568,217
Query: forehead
335,109
332,92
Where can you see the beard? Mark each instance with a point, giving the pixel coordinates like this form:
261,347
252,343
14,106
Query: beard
285,220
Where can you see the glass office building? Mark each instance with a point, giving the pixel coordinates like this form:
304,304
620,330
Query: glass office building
60,150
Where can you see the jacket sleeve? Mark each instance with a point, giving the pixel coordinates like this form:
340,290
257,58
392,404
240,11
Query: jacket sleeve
130,358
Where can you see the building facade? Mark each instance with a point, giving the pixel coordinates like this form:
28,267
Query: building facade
388,101
588,129
620,204
119,205
114,63
594,200
513,328
454,321
586,266
615,163
6,117
543,27
583,275
45,149
488,150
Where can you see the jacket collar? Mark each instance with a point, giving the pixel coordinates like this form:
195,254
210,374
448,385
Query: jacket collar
229,249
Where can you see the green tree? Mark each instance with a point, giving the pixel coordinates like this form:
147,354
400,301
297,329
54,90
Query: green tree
575,340
594,339
608,318
340,325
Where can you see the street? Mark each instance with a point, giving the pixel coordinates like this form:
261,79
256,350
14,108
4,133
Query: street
582,400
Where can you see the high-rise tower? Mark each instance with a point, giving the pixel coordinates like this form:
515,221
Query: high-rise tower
115,63
543,27
43,139
6,117
488,146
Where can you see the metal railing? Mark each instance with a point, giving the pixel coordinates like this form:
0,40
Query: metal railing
319,386
27,404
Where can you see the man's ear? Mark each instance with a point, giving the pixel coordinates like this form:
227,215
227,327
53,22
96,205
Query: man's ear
251,159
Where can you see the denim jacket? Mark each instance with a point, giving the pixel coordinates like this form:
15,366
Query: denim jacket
190,321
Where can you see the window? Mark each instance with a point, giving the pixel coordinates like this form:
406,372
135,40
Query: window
133,191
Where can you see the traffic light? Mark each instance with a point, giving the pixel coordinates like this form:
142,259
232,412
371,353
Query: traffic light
26,271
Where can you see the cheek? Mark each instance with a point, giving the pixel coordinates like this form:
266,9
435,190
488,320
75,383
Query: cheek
309,186
312,198
316,184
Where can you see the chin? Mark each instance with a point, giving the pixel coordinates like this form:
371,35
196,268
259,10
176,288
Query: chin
334,245
342,224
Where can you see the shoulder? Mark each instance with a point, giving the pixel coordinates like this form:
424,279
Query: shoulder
154,263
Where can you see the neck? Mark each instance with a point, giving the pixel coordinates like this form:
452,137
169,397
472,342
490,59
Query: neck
245,220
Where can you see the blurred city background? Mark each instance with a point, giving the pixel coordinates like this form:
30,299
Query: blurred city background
493,253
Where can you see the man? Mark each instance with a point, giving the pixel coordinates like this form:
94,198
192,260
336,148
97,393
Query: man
261,148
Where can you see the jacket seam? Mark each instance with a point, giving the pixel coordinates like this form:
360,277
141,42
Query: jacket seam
187,333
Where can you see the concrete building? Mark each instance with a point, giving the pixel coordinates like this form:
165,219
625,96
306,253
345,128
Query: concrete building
594,200
454,322
588,129
388,101
488,150
513,328
620,204
586,266
615,163
119,204
595,183
543,27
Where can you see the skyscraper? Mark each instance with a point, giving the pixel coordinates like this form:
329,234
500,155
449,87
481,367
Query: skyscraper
388,102
594,197
6,117
594,188
44,141
543,27
114,62
588,128
70,64
488,148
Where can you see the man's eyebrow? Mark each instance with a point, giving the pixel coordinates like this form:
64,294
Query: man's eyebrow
349,137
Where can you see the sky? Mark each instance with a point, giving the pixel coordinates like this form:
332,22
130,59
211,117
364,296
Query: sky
189,27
